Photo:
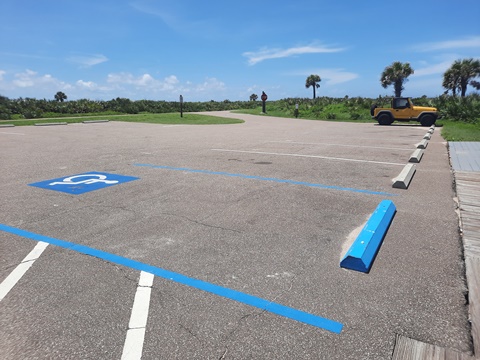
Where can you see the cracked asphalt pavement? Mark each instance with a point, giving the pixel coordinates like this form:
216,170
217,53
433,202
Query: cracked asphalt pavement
280,241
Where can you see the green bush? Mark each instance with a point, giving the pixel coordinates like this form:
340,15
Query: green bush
465,109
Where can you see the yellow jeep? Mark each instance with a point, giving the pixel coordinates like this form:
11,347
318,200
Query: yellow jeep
402,109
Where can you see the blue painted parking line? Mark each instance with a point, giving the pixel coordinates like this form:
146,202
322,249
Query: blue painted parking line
253,177
231,294
82,183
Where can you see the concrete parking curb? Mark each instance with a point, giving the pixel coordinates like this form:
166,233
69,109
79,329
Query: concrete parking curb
51,124
94,121
423,144
427,136
364,249
403,179
6,125
416,156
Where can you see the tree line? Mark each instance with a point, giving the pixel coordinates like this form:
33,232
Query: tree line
30,108
455,79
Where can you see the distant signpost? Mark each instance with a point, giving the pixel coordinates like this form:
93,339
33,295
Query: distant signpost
181,106
264,98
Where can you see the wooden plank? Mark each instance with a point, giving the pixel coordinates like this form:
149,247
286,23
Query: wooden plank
473,201
472,252
472,266
410,349
469,228
472,180
471,217
474,209
468,192
472,235
471,248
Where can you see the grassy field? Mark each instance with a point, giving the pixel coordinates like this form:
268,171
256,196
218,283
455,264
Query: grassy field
332,112
168,118
459,131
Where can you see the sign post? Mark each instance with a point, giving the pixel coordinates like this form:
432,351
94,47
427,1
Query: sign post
264,98
181,106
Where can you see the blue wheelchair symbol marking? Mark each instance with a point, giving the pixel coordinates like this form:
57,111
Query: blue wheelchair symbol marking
82,183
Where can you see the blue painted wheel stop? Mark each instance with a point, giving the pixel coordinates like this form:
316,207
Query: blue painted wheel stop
364,249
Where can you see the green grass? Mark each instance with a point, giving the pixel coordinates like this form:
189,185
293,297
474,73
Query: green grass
169,118
459,131
339,111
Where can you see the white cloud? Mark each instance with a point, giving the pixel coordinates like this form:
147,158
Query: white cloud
467,42
29,83
210,84
145,81
31,78
330,76
88,60
255,57
169,86
433,69
86,84
146,8
337,76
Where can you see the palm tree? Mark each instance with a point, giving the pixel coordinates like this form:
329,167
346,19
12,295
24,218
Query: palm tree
253,97
313,80
463,72
475,84
451,79
60,96
396,75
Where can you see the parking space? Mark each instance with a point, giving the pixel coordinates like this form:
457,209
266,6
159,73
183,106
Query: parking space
253,212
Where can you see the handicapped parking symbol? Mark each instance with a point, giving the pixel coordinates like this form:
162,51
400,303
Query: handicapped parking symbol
82,183
100,178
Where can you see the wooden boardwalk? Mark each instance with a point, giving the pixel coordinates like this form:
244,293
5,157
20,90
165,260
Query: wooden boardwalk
468,191
465,160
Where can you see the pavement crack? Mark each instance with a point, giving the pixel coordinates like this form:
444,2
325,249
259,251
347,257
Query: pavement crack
224,354
202,223
188,330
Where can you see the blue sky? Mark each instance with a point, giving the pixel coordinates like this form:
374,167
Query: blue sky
217,50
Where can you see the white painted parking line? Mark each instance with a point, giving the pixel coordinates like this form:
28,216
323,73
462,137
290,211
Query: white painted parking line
11,133
344,145
21,269
132,349
310,156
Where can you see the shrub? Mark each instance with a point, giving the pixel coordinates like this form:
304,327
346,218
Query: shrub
465,109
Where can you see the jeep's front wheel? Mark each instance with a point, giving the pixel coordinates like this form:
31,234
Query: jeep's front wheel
427,120
385,119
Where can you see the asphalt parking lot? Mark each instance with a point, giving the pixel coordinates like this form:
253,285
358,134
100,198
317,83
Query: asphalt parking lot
235,215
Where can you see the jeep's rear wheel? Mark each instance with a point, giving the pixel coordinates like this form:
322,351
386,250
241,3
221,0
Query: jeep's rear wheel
427,120
385,119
